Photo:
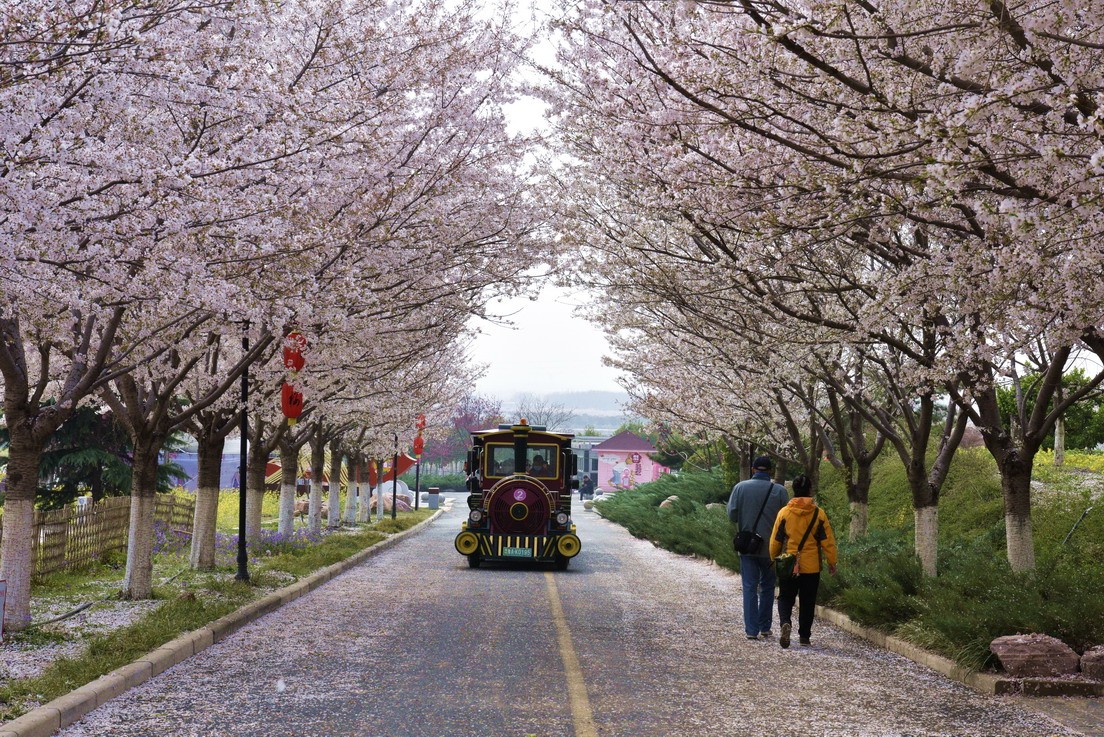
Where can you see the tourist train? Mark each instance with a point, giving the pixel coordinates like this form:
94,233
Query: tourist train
520,479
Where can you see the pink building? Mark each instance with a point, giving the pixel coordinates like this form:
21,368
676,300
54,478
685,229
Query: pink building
623,462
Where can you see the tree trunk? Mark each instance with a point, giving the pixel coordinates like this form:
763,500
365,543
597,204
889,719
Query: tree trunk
858,494
138,581
318,466
351,492
1016,488
17,550
927,537
255,475
1059,442
364,501
289,464
96,485
860,519
209,482
363,496
334,519
379,490
925,501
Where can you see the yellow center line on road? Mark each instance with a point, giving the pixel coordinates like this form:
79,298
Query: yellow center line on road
576,687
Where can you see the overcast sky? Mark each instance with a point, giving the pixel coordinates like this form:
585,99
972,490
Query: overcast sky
548,350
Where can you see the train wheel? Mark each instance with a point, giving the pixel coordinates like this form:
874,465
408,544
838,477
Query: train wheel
561,562
473,561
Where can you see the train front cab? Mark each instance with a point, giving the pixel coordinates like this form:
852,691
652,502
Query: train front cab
519,484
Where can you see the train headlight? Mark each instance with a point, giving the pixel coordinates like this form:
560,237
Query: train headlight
561,518
475,516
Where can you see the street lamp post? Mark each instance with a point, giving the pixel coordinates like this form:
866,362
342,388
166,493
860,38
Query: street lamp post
419,446
395,478
243,466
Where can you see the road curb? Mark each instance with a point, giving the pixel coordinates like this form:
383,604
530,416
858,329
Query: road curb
47,719
986,683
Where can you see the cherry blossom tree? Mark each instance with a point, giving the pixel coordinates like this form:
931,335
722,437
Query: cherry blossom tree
179,163
955,146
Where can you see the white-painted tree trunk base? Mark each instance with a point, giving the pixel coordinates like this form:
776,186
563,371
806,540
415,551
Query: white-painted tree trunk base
253,513
1059,442
138,581
860,516
364,501
1020,541
333,506
927,538
16,566
286,525
350,504
315,514
204,525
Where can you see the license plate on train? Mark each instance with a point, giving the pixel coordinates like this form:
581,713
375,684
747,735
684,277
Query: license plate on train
518,552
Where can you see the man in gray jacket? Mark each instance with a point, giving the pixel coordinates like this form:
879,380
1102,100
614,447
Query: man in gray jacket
753,506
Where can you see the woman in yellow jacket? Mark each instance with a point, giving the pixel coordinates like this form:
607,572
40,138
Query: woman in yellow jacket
801,515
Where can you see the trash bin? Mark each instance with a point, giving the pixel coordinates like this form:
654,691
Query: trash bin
434,497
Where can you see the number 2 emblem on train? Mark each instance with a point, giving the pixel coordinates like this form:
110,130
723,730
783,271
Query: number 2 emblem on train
519,497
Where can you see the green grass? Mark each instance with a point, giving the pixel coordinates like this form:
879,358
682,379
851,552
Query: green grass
190,599
228,509
975,598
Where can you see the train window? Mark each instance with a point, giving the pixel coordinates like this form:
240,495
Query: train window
541,461
500,460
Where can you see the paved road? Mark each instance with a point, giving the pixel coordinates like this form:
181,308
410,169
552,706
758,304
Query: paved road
630,642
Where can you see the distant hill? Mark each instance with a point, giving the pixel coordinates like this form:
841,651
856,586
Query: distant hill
601,409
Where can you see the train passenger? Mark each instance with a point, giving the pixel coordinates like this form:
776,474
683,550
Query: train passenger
538,467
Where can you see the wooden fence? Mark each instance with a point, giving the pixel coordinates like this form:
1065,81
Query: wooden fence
75,537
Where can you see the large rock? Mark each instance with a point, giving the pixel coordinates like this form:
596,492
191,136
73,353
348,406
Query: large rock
1092,663
1035,655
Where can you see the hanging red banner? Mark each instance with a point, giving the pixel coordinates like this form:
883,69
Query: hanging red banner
294,345
291,402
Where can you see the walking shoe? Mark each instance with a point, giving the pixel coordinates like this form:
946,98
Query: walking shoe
753,637
766,635
805,641
784,638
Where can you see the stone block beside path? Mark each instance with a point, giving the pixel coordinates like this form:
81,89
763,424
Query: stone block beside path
1092,663
1035,655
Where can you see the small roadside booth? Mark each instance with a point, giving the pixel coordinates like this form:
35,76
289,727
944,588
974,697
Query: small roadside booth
623,462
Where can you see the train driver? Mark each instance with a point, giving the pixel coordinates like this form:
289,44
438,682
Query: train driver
538,467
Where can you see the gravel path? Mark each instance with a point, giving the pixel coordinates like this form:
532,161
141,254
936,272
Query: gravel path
415,644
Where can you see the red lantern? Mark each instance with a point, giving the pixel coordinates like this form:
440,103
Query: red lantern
419,445
419,422
291,402
294,345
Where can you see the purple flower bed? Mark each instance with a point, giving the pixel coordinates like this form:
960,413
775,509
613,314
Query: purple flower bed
174,542
270,542
167,541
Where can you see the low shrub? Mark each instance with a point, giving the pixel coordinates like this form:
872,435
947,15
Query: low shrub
442,481
974,599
